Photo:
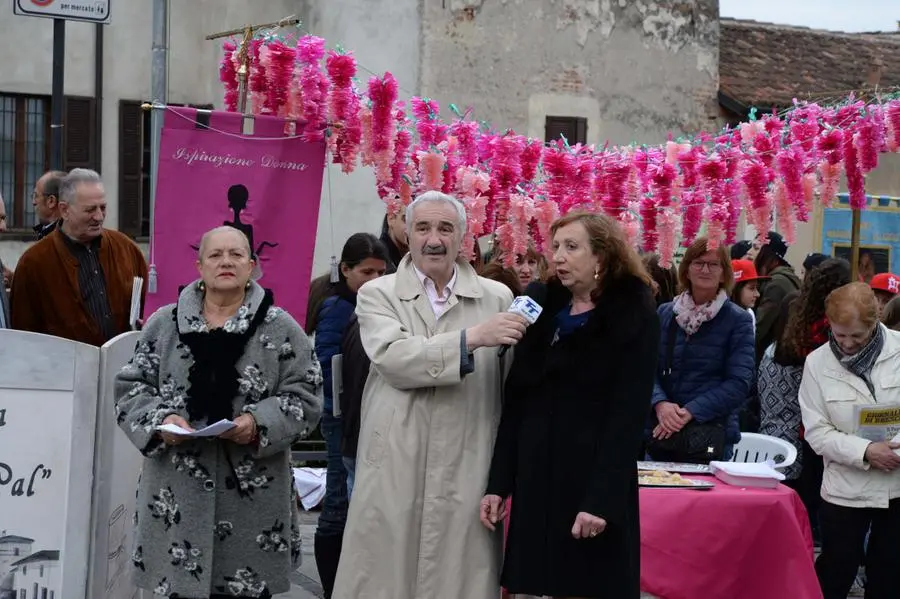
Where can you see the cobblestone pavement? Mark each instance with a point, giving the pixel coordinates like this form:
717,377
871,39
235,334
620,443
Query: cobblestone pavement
306,579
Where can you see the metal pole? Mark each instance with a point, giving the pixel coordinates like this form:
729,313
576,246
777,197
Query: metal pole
58,98
98,95
159,93
854,246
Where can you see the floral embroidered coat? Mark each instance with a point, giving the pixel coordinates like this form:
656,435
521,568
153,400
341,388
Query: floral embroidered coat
215,517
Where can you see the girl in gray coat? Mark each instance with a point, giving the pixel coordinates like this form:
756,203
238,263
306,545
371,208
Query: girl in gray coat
218,516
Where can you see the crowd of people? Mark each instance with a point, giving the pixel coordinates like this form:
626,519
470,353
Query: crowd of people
435,440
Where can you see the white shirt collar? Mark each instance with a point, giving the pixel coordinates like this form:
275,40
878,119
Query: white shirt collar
438,299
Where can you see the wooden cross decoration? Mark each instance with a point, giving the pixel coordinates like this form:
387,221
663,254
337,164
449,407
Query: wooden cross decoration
244,51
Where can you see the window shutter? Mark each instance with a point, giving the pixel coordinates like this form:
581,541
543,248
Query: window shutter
79,133
574,129
131,119
581,130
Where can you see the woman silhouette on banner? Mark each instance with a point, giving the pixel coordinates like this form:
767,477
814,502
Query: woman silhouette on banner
238,198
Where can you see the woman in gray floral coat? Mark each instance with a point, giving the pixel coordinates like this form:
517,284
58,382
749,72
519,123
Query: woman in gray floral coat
218,517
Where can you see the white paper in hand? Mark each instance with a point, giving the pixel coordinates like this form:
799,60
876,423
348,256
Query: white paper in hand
135,313
213,430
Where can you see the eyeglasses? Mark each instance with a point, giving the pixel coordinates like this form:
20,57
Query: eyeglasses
710,266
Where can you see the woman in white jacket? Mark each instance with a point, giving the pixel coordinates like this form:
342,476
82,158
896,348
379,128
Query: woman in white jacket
858,368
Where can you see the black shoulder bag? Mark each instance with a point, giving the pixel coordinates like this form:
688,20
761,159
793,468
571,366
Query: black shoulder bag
696,443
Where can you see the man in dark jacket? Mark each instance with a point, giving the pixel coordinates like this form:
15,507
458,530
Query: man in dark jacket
783,280
355,371
45,199
394,236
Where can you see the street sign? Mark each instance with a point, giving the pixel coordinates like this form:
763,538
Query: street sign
92,11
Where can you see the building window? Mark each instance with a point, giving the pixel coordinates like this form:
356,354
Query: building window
16,550
24,570
24,153
573,128
134,166
41,572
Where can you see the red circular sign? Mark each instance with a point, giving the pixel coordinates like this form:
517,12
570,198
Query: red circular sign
42,2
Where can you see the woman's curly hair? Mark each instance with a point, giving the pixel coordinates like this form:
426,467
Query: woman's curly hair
797,339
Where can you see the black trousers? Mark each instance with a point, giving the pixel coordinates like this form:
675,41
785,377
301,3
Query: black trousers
809,486
843,537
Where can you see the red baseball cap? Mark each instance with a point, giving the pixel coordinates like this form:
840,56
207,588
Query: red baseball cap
744,271
887,282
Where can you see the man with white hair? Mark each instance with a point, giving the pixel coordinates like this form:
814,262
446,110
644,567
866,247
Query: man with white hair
430,410
76,282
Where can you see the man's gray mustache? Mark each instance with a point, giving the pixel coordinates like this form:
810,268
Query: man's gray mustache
434,251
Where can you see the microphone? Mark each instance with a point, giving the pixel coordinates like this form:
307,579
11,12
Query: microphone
527,306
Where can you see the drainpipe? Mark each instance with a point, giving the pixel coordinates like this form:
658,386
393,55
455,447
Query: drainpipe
98,96
158,96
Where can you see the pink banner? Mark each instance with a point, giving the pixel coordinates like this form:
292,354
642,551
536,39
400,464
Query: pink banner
265,184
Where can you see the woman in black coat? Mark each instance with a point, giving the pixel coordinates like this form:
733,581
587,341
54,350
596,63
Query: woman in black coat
576,400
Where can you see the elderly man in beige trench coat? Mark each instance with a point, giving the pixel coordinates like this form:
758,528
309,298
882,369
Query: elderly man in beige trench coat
431,407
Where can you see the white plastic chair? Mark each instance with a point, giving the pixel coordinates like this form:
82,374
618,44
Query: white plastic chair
756,448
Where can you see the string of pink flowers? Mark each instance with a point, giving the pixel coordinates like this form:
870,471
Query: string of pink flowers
431,170
513,234
343,110
382,93
506,174
774,167
472,184
402,144
790,167
893,123
560,169
545,213
367,157
228,76
712,174
855,182
314,86
830,146
784,209
662,178
279,70
257,78
466,134
430,129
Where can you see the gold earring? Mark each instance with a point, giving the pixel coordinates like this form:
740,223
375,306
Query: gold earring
247,286
201,286
596,274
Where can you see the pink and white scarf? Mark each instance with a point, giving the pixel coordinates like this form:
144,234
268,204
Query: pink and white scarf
690,316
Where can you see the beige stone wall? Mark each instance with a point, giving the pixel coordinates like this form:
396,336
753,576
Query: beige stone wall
635,70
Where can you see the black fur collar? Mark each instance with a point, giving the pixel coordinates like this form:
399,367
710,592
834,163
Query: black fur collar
213,376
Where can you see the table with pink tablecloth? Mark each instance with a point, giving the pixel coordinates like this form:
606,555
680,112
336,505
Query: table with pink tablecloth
729,542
